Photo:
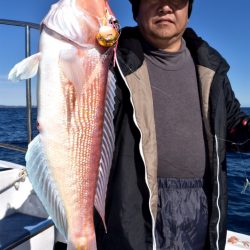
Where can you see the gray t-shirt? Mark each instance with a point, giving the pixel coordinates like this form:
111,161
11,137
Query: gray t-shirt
179,130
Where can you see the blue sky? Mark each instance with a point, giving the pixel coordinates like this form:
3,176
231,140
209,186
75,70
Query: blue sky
224,24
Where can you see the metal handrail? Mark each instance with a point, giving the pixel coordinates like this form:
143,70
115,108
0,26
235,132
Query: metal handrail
13,147
27,26
19,23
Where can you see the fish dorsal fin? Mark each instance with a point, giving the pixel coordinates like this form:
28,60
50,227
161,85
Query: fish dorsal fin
73,24
25,69
108,144
44,185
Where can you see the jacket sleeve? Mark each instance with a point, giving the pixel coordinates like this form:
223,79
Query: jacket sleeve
238,122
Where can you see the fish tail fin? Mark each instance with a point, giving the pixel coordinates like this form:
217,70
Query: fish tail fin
25,69
83,243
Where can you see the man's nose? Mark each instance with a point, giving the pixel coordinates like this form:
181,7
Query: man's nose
165,7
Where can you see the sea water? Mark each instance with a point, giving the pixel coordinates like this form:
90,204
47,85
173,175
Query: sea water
13,130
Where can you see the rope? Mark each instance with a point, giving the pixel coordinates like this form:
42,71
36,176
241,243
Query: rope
16,183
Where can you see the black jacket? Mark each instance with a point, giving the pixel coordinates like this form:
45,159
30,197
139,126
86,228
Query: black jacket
132,191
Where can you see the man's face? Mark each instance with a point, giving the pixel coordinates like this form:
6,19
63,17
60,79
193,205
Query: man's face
162,22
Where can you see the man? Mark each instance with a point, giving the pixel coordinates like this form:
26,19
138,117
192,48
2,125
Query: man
174,109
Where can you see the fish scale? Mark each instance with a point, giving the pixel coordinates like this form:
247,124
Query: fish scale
84,138
85,149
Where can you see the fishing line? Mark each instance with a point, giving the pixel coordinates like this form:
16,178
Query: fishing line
131,71
246,183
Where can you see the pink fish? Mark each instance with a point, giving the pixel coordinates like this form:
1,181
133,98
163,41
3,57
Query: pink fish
73,147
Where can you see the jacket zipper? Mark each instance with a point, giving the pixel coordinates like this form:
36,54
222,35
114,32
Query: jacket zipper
218,195
141,152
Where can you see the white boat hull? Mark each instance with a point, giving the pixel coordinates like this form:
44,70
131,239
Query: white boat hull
19,201
237,241
22,199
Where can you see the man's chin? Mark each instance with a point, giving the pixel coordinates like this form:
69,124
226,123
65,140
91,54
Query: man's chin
162,35
162,32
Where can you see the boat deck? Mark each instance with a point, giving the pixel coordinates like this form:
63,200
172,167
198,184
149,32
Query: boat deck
18,228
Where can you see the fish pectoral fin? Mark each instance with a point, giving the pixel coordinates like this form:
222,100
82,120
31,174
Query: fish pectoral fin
72,67
25,69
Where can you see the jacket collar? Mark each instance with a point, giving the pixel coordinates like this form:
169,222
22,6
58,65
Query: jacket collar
131,55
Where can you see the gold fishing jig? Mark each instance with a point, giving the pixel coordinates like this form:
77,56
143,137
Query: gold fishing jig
109,30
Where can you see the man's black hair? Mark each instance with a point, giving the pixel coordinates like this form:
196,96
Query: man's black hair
136,3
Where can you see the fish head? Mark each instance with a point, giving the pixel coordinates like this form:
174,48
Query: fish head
109,29
82,21
95,8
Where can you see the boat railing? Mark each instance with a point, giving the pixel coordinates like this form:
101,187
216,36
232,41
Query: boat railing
27,28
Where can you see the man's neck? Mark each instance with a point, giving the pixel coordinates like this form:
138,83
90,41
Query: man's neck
171,45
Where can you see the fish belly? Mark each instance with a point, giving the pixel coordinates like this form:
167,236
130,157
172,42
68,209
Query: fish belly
71,125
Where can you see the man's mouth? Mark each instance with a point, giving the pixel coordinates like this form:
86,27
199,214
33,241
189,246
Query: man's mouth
163,21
